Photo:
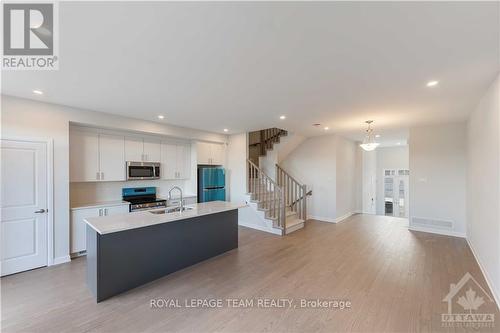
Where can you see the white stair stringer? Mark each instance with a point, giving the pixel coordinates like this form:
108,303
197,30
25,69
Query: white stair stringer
293,223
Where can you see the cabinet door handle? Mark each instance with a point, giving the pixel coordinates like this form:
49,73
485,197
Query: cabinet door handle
100,212
105,212
40,211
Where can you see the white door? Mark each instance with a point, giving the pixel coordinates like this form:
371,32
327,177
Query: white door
79,228
152,150
112,157
218,153
183,157
401,208
204,153
134,149
369,182
23,206
168,161
84,156
396,192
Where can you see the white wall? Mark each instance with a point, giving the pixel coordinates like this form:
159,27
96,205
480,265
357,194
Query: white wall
314,163
345,160
236,171
91,192
388,158
279,153
483,185
23,118
437,175
369,192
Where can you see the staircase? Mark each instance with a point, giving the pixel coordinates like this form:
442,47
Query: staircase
260,142
281,203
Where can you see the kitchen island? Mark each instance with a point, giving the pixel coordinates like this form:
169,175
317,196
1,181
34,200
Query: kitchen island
128,250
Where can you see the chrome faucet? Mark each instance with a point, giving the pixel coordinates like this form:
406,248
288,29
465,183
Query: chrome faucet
181,204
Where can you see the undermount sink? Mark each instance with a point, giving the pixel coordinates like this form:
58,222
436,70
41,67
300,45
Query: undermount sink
170,210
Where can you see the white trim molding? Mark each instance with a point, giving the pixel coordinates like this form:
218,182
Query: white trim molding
61,260
260,228
485,274
437,231
330,220
343,217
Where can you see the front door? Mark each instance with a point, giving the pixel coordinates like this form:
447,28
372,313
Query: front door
23,206
396,192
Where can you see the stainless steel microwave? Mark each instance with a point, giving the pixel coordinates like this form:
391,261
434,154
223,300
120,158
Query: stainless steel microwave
143,170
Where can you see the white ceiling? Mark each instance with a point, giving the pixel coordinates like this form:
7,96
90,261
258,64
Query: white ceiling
241,65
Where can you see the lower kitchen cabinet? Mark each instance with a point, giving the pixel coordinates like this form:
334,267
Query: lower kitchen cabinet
78,226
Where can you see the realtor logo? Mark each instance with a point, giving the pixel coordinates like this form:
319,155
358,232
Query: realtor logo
464,302
29,36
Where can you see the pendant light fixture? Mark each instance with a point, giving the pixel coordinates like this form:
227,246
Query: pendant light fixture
369,143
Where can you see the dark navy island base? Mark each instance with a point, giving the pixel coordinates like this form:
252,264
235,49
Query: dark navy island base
120,261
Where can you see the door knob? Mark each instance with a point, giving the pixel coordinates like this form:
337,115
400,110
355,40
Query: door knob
40,211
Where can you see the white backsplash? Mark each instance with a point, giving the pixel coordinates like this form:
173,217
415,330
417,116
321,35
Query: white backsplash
91,192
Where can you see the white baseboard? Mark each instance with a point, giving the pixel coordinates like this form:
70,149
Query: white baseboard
260,228
320,218
437,231
343,217
328,219
485,274
61,260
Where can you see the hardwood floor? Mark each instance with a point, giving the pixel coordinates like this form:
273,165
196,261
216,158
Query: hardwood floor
395,279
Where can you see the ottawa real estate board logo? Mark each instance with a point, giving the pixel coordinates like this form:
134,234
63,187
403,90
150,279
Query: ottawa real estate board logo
30,36
467,301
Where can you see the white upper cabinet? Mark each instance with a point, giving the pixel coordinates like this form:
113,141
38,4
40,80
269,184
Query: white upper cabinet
204,152
84,156
183,153
101,155
168,160
142,150
96,157
210,153
112,157
134,149
218,153
175,160
152,150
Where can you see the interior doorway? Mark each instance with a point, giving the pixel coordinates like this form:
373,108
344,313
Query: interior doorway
396,183
386,181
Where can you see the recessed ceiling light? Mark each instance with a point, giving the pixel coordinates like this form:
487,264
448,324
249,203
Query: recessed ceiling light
161,117
432,83
38,92
226,130
399,143
327,128
377,136
282,117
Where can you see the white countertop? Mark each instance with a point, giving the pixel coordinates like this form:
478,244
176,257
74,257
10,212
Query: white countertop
120,222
